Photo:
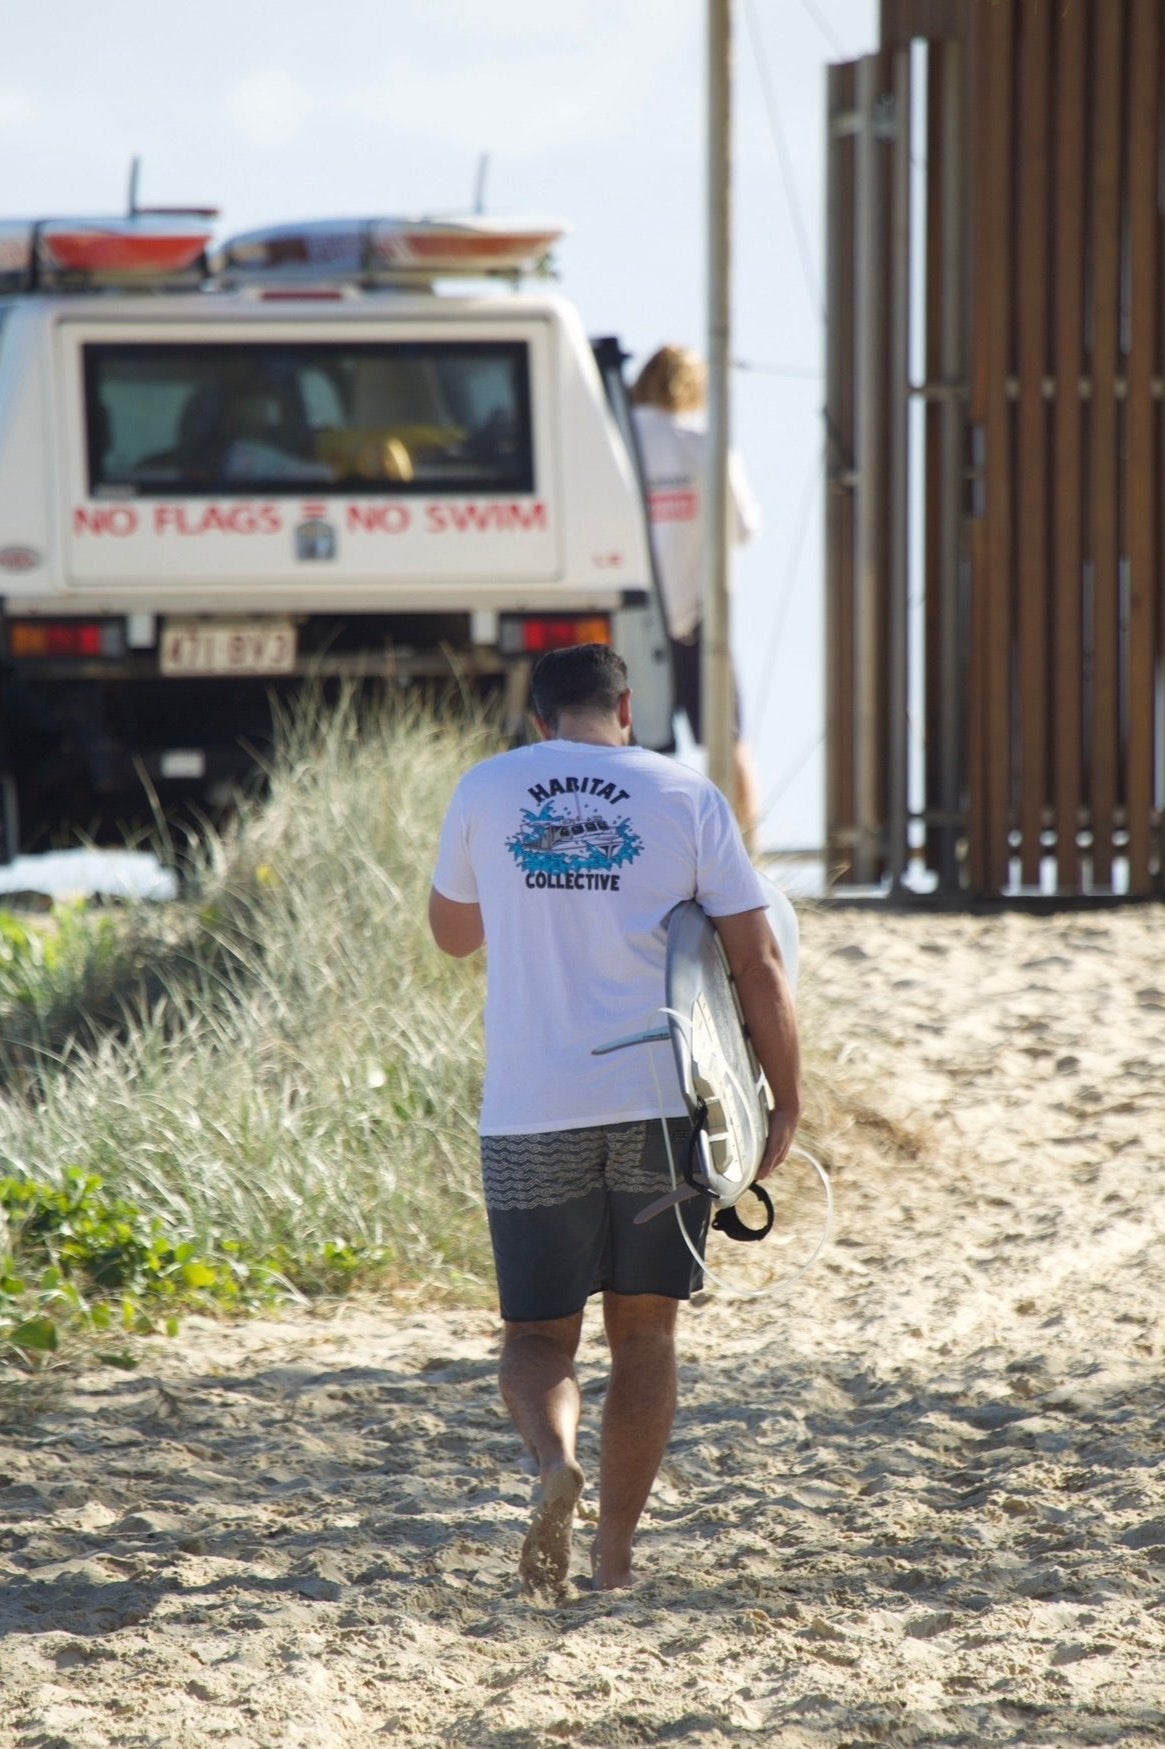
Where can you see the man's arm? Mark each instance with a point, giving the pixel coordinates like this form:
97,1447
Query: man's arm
457,929
767,1001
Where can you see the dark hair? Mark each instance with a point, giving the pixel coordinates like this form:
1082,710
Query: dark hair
588,677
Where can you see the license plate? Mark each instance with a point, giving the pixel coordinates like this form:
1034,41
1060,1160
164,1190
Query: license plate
228,646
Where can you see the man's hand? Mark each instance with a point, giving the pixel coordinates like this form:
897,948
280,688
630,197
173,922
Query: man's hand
782,1129
758,971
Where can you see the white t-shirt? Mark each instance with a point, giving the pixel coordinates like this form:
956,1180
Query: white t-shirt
674,447
576,854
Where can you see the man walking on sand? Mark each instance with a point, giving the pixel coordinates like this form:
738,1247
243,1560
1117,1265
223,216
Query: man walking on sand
566,858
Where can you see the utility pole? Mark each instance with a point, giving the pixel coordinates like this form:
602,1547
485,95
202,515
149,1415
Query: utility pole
716,664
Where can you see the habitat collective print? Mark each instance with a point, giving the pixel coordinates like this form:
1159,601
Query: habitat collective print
573,838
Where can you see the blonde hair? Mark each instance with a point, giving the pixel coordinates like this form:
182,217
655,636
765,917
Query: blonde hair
673,378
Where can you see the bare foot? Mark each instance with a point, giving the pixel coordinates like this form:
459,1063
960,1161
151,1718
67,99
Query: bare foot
545,1560
615,1579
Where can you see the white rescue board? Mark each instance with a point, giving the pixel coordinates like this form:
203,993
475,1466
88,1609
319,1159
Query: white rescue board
725,1092
392,249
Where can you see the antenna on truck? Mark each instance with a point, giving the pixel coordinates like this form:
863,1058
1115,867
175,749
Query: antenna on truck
137,211
479,186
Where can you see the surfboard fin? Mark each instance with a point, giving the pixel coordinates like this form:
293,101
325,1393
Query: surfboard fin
682,1193
661,1036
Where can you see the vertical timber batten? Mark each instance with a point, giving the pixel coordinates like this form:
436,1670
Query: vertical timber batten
944,438
991,675
898,434
1067,627
871,478
1104,411
1141,437
839,467
1033,322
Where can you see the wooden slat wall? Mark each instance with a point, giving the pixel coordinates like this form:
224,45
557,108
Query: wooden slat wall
1066,567
1060,721
901,20
866,504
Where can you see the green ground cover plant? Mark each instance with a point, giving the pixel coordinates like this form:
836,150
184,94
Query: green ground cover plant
265,1090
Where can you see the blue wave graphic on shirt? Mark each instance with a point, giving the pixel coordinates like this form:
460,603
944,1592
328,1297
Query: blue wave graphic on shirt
550,842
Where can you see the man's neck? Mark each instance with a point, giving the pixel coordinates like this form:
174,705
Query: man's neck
595,731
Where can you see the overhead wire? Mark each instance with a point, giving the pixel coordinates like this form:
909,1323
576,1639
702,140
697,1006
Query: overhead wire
826,30
785,595
768,92
792,772
808,270
777,370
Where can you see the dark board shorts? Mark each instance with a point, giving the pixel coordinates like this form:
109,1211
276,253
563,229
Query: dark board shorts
562,1207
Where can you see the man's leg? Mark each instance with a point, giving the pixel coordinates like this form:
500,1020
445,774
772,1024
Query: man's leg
637,1419
541,1392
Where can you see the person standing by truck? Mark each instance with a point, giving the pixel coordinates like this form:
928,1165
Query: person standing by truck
668,400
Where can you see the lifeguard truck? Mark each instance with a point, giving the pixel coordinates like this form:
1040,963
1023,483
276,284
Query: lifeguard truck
227,472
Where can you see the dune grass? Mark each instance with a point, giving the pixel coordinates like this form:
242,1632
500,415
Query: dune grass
269,1089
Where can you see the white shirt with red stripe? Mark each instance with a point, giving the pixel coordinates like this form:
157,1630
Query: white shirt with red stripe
674,447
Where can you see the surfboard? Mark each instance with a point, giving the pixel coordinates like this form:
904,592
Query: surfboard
718,1072
721,1082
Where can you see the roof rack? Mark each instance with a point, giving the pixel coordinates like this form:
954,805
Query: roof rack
166,248
386,251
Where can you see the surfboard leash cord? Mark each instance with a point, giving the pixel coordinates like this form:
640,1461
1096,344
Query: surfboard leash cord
726,1220
780,1287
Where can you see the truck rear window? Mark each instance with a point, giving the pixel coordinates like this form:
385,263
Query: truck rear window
215,420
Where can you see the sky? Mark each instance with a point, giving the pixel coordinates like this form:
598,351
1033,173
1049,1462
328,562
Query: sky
588,111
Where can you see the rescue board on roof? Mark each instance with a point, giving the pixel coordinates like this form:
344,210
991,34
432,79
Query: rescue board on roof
137,250
391,249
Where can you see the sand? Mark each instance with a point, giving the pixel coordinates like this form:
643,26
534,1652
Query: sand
917,1500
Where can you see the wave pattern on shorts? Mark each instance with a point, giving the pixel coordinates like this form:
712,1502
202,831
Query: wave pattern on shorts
551,1168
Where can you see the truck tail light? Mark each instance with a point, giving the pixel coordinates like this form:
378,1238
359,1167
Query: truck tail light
536,635
41,639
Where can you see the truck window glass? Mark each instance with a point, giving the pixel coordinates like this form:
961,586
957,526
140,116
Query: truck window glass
167,419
